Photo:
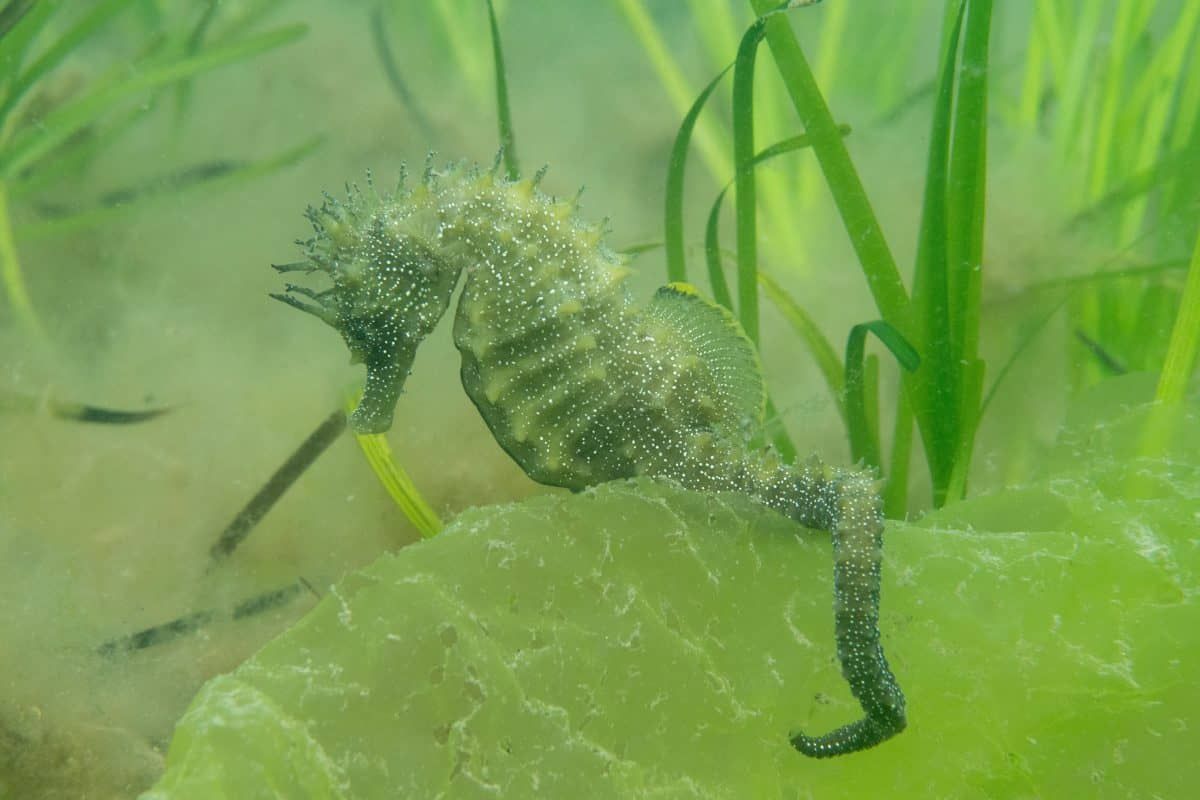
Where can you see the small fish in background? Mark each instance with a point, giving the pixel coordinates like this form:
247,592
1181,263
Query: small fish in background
13,402
192,622
1110,363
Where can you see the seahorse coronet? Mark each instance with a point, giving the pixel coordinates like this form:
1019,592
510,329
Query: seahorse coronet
578,383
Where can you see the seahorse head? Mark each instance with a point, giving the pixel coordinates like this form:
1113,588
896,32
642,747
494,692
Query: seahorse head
390,288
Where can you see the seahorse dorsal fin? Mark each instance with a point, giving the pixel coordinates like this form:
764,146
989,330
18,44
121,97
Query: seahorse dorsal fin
717,339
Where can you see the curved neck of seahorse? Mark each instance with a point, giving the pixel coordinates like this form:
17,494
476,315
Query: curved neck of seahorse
387,371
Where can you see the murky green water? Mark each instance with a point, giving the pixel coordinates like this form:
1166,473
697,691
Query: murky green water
1042,628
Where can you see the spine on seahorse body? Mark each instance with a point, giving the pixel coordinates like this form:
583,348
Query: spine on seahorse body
577,384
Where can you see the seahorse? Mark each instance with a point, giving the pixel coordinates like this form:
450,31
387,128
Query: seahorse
577,383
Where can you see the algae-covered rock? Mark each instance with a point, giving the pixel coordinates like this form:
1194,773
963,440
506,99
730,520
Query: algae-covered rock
632,638
638,640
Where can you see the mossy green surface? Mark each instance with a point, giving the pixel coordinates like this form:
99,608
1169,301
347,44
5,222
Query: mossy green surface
641,641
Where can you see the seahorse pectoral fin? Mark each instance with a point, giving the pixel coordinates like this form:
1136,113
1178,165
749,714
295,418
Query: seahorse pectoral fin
857,551
386,374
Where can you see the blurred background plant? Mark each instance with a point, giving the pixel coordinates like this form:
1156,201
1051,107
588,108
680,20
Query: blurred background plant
1114,88
1110,91
75,78
1107,92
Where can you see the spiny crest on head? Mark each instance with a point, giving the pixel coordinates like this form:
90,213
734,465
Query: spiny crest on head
334,225
372,188
528,187
339,225
354,199
428,175
568,209
454,172
402,180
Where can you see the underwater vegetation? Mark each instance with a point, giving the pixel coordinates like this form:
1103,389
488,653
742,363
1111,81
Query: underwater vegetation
55,122
1033,165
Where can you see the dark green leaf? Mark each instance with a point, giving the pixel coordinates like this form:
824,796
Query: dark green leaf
508,137
673,215
864,437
